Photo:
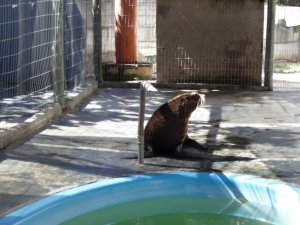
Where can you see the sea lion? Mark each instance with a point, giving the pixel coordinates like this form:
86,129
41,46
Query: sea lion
166,130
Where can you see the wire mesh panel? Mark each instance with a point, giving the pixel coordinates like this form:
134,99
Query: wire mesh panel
147,32
287,46
26,55
45,46
75,42
108,31
193,41
120,57
93,38
212,42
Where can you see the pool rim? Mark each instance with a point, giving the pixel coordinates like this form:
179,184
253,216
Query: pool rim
22,214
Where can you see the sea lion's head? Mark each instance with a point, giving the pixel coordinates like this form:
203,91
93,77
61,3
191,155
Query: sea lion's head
188,102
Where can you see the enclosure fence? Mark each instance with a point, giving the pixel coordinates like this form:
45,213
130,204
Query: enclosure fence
46,50
206,42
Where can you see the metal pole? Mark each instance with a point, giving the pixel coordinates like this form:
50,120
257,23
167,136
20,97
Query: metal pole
141,125
144,87
270,44
58,64
98,41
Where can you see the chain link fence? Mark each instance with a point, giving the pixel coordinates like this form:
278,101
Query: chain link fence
47,49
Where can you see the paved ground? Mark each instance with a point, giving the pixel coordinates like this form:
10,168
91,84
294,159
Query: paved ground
247,132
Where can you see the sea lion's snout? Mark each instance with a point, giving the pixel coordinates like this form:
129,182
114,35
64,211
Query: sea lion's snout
202,100
199,98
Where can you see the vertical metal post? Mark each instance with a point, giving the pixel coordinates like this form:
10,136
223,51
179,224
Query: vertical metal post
98,41
58,64
141,124
270,44
85,25
144,87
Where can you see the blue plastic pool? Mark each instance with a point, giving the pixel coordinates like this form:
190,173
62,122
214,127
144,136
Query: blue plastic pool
184,197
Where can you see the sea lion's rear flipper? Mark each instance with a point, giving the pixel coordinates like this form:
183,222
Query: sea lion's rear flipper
194,144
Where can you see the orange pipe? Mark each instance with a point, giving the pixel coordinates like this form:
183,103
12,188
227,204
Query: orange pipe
126,31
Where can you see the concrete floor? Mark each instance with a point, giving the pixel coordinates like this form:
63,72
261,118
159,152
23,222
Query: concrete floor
253,133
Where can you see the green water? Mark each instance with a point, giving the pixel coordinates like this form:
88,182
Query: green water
190,219
178,211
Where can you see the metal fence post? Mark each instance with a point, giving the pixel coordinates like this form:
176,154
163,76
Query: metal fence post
58,64
98,41
141,124
270,44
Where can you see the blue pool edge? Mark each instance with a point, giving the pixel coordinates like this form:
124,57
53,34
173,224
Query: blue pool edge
236,186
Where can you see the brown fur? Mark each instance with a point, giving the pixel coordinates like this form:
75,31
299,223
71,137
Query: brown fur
166,131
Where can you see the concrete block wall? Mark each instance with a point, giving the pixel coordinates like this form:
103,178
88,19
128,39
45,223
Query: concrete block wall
210,41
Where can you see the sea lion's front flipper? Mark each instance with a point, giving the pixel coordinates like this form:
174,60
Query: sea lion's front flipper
194,144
